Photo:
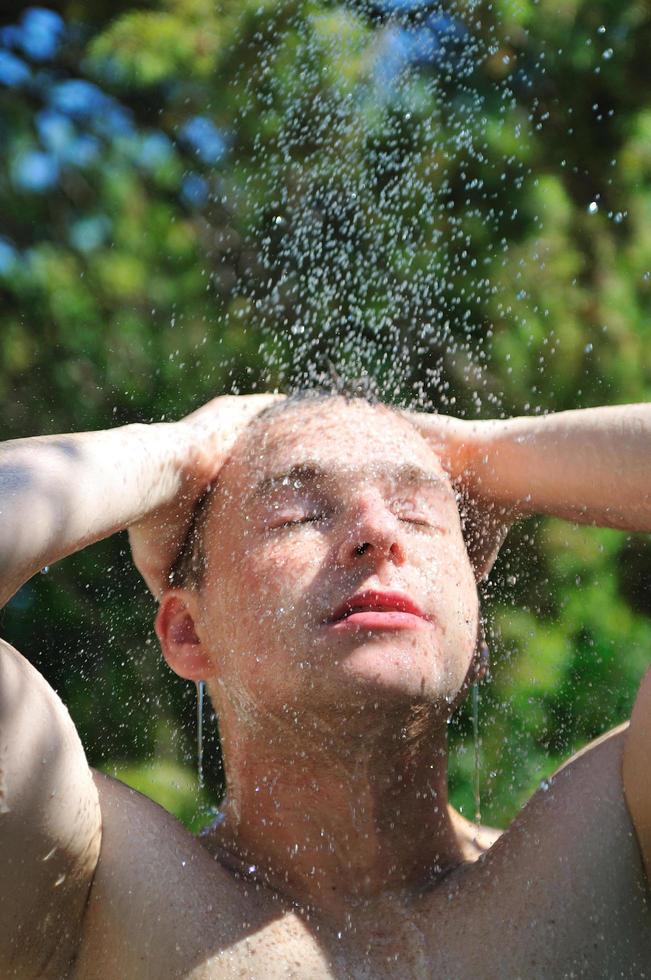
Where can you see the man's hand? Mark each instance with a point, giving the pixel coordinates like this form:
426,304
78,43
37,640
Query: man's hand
204,440
464,450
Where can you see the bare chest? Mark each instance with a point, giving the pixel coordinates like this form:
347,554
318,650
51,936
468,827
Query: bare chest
485,921
561,894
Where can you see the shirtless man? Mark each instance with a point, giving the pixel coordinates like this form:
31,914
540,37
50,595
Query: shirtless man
327,598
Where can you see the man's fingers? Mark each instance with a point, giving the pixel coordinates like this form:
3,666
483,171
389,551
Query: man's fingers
207,435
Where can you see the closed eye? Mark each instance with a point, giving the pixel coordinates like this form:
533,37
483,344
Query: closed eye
310,519
417,521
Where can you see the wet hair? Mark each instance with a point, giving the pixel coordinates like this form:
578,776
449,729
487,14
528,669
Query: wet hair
189,566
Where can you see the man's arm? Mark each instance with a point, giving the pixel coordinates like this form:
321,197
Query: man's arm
50,827
58,494
61,493
592,465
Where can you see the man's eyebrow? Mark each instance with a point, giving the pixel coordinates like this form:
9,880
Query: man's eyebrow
303,473
308,473
409,473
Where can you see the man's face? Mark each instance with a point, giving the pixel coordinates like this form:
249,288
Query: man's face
337,574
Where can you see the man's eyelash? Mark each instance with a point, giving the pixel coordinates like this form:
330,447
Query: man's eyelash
419,522
302,520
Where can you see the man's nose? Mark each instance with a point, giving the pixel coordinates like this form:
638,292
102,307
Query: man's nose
373,532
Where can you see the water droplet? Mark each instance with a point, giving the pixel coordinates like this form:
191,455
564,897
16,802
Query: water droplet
588,349
608,53
593,207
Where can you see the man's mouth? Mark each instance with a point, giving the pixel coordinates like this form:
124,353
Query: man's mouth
375,610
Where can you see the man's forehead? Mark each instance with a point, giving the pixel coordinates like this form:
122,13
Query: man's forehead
340,459
331,438
336,426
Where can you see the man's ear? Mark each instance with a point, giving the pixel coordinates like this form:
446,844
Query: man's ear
176,631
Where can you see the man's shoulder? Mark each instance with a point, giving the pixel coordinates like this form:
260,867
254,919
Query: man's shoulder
614,770
635,769
579,814
563,888
160,905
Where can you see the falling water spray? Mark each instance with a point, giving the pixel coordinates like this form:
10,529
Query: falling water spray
200,685
476,743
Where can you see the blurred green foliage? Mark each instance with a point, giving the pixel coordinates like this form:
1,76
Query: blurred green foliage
453,201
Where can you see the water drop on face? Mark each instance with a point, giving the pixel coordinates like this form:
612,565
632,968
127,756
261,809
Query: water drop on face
45,569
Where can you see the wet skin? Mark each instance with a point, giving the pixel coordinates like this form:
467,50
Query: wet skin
334,733
299,500
335,627
319,700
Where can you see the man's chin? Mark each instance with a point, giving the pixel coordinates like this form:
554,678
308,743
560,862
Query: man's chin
399,672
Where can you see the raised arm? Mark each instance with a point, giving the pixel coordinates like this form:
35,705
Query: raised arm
58,494
592,465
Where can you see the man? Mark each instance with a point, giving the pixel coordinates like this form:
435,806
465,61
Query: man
326,597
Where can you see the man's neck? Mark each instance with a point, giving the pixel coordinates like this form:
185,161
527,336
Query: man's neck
331,821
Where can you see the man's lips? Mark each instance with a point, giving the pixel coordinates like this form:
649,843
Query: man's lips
378,610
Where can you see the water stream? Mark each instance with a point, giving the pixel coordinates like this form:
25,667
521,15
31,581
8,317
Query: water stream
476,745
201,686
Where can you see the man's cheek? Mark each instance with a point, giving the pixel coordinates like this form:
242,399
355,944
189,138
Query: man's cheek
266,597
286,572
